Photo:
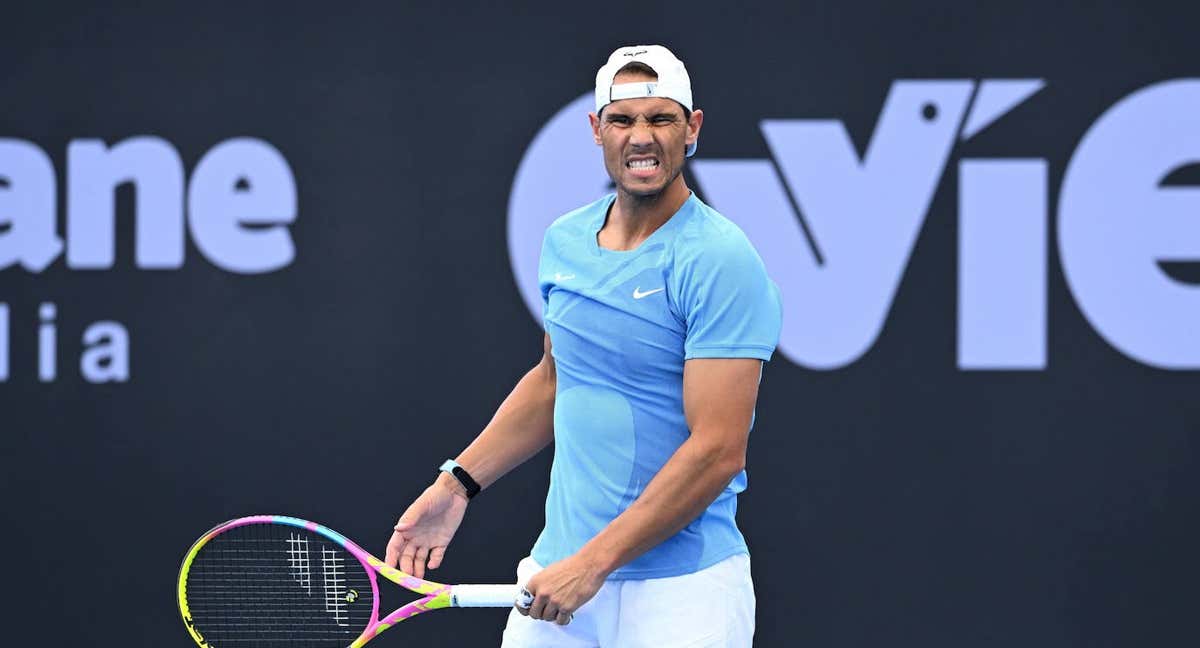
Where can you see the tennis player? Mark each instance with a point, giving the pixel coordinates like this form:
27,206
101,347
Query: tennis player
658,315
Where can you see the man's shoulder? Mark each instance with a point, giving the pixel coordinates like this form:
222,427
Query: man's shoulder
579,219
708,234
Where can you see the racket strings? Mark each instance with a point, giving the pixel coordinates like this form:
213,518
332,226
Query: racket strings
273,585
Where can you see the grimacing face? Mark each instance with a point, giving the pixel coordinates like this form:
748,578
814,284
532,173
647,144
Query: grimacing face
644,139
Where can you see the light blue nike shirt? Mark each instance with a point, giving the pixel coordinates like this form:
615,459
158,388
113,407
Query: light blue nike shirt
621,325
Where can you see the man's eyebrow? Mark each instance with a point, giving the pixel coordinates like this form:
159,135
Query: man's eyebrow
667,114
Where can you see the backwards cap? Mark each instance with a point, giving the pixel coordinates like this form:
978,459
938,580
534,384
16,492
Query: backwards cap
673,81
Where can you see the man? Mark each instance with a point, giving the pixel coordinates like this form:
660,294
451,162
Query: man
658,315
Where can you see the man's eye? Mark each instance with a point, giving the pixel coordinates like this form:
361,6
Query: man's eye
664,120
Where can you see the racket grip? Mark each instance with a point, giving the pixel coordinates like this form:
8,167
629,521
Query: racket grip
483,595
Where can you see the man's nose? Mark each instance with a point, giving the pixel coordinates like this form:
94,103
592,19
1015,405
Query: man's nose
641,133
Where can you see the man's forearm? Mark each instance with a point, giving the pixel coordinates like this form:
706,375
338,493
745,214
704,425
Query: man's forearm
685,486
522,426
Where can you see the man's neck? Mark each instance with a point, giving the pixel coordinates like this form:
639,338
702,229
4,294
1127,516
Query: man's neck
632,219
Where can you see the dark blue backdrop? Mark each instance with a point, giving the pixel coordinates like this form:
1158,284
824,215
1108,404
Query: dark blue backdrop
896,500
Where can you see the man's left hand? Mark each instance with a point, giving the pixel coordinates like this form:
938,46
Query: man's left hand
562,588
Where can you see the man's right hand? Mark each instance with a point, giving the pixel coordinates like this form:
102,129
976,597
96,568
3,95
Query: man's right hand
420,537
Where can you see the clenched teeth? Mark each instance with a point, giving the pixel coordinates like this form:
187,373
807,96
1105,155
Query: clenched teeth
642,164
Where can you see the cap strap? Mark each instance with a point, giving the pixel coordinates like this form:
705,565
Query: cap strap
642,89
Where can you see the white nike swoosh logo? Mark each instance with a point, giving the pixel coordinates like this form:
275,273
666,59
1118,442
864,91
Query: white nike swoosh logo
638,294
558,276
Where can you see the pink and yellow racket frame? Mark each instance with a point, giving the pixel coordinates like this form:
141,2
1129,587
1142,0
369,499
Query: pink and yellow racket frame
437,595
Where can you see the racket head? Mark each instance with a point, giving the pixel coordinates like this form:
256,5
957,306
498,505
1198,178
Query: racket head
274,581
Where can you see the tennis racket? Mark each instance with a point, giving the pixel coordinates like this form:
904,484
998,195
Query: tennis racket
269,580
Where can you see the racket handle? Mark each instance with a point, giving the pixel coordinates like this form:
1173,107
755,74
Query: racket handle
483,595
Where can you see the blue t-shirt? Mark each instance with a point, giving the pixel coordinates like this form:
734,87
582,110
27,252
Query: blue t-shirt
621,325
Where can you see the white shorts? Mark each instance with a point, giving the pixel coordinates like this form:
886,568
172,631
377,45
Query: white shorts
711,608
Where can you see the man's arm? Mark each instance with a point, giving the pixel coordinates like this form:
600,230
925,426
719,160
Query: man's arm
718,402
522,426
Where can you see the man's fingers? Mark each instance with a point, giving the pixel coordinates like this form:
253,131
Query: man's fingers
395,546
539,605
544,609
406,558
436,556
422,555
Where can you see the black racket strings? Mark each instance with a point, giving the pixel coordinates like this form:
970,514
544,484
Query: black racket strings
274,585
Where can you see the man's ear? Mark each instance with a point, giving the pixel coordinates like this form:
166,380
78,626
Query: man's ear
594,120
694,124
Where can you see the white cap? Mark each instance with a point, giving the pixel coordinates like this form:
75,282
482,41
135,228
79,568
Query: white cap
673,81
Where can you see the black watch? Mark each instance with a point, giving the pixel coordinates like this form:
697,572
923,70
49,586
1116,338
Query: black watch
451,466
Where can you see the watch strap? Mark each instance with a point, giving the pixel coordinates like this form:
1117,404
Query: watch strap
458,472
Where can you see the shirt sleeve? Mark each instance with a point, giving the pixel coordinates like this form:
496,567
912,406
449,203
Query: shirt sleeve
731,307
